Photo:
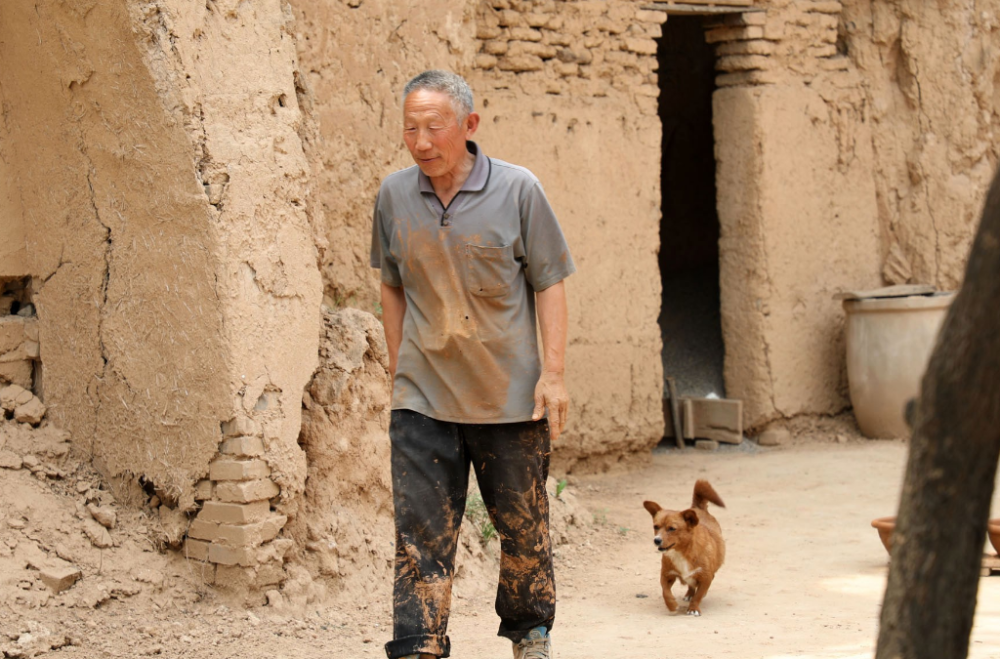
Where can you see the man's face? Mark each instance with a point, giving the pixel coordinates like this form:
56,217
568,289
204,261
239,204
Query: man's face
433,133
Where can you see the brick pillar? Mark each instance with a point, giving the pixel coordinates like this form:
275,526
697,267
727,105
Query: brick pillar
229,536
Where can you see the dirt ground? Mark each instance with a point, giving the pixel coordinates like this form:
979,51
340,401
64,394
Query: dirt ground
804,576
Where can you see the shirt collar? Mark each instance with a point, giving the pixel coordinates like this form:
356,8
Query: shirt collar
478,177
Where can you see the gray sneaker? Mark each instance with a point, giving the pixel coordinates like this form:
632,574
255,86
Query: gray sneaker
536,645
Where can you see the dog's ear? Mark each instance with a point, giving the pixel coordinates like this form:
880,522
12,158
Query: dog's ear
691,517
652,507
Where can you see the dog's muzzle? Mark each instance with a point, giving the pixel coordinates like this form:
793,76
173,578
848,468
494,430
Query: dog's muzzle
658,541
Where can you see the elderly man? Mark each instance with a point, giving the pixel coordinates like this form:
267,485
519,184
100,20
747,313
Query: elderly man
469,248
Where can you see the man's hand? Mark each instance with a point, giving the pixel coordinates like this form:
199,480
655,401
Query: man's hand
393,310
550,393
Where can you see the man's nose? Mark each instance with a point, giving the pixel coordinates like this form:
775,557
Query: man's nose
658,540
423,141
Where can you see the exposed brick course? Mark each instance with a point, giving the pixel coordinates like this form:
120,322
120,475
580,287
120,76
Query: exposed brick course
234,513
247,491
238,470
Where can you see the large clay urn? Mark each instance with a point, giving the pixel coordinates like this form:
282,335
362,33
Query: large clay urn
889,342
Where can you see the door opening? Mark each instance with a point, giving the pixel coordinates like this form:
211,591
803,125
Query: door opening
690,319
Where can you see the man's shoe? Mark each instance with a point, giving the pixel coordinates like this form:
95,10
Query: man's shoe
536,645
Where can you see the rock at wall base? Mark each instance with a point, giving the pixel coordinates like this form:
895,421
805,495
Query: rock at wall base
774,437
30,412
59,579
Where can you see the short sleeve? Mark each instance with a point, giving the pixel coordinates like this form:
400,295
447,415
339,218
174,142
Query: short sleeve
547,256
381,254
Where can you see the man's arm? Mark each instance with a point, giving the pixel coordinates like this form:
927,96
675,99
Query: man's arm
550,392
393,309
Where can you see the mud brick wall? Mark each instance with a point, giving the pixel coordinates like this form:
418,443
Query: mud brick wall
570,48
765,45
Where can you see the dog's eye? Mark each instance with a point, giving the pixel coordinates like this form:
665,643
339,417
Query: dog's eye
672,528
655,527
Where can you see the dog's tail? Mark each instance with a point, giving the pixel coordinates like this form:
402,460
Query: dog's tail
703,494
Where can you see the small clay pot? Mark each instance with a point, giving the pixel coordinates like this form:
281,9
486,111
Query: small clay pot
993,531
885,527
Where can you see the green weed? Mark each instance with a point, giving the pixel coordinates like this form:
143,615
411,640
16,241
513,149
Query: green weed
475,510
560,486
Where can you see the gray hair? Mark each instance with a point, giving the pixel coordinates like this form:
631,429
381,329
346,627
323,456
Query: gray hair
446,82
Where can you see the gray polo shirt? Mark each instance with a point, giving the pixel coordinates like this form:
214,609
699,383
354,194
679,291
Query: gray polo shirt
469,352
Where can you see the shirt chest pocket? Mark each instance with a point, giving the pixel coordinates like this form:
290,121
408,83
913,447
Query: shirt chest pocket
490,270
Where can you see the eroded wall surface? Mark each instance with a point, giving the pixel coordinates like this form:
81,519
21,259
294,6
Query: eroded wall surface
566,89
13,252
117,242
931,76
355,58
162,180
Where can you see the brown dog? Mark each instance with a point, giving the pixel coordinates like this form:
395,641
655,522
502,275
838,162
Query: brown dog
692,546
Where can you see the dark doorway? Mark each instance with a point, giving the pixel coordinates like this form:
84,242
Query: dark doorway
690,320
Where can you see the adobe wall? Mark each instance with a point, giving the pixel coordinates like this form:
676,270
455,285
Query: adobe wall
796,203
832,124
182,184
13,254
566,89
853,151
163,187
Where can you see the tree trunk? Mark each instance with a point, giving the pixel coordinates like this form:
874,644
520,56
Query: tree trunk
940,530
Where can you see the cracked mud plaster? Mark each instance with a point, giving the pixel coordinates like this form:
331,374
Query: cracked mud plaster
154,328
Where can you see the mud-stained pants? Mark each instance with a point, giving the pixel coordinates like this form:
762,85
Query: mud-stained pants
430,478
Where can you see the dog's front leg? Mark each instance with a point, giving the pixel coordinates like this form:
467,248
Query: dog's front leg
694,609
667,583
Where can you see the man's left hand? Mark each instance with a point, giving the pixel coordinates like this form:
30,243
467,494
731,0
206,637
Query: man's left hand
551,394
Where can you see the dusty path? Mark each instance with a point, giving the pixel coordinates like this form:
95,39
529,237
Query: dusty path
804,574
804,577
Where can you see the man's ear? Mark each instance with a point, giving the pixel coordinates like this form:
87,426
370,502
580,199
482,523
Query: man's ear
652,507
691,517
472,123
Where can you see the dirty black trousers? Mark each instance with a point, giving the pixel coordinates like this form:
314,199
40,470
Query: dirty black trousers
430,479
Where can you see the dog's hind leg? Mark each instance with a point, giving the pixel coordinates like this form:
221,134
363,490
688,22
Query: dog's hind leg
689,594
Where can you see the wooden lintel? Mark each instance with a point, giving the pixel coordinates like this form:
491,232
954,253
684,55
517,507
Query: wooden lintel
691,9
